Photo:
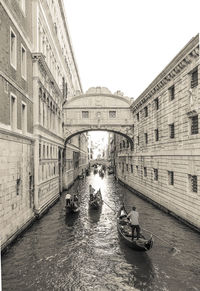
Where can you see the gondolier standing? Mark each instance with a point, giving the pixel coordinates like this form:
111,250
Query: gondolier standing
133,216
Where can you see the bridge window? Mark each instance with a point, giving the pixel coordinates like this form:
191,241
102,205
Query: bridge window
112,114
85,114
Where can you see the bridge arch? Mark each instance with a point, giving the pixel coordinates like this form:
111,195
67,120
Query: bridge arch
98,109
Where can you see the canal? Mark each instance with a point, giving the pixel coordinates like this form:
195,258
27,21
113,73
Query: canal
83,251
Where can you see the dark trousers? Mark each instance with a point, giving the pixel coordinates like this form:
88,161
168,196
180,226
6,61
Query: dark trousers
137,227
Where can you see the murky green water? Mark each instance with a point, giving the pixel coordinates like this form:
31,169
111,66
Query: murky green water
83,251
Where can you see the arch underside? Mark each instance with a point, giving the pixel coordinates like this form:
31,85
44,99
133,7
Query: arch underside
126,132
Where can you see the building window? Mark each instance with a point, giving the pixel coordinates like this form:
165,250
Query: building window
155,174
171,93
85,114
13,49
127,144
24,118
171,130
137,169
23,62
43,151
131,168
122,167
40,149
194,78
145,111
127,167
146,138
138,140
112,114
170,178
120,145
193,183
13,112
138,116
145,172
123,143
156,134
194,124
156,103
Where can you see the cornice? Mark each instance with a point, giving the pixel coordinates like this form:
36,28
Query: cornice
40,58
185,57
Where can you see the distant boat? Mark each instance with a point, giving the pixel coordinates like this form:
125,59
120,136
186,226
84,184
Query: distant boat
71,203
95,201
125,232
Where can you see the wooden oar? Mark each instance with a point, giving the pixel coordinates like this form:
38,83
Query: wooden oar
172,247
109,206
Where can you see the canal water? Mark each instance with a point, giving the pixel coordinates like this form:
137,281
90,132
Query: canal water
84,252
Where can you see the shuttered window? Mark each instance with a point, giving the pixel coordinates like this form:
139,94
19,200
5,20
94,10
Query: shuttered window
194,79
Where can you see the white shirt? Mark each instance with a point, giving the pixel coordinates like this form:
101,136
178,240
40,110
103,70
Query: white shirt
133,217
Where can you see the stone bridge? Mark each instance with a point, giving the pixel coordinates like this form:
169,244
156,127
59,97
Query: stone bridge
98,109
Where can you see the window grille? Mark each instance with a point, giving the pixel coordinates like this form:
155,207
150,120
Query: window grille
138,116
145,172
138,140
156,134
193,183
171,93
131,168
171,130
194,79
146,111
194,125
112,114
146,138
171,177
156,103
155,171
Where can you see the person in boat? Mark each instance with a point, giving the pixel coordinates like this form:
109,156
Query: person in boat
123,213
91,190
68,199
133,216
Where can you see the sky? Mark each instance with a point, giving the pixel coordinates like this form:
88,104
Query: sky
124,44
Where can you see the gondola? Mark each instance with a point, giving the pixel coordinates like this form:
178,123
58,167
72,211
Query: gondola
95,201
71,203
125,232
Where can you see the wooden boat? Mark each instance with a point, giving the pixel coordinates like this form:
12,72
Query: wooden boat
95,201
71,203
125,232
101,173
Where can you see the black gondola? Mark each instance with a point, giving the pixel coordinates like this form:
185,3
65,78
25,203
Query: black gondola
95,201
71,203
125,232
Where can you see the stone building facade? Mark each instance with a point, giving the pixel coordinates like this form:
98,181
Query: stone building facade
37,74
164,164
16,118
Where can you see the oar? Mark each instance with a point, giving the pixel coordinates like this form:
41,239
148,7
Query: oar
172,247
109,206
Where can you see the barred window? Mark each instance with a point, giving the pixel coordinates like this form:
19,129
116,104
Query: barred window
193,183
156,134
170,178
194,79
127,167
171,93
171,130
146,138
138,116
112,114
194,124
146,111
131,168
156,103
145,172
155,174
85,114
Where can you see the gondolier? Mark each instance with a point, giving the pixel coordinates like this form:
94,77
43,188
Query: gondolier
133,216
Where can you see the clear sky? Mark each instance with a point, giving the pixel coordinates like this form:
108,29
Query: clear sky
124,44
